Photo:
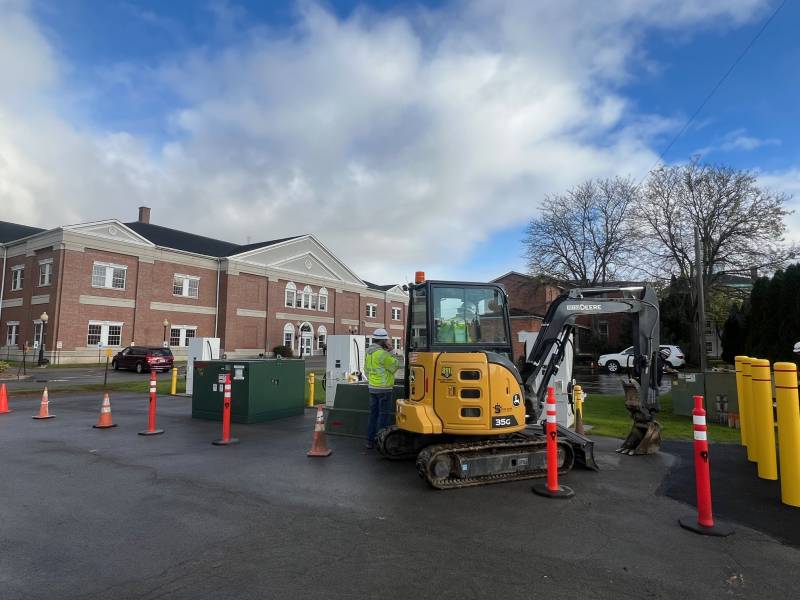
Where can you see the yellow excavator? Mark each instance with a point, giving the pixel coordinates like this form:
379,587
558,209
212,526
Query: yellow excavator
470,417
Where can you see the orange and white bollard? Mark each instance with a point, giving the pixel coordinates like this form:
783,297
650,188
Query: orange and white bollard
551,489
105,420
319,445
4,400
44,407
151,416
704,522
226,439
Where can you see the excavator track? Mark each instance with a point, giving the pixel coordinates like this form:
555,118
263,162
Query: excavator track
468,464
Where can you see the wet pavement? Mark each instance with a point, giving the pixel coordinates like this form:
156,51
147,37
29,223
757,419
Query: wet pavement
97,514
599,381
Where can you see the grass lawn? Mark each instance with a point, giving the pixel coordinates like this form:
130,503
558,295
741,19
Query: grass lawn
608,417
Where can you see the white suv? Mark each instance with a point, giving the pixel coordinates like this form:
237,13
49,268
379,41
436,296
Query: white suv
673,356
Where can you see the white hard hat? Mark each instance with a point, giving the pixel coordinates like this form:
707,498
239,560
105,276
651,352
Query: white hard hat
380,334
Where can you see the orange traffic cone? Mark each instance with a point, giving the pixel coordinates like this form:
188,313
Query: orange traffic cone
105,421
319,446
44,411
4,400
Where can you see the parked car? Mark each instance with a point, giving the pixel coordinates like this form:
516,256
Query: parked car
143,359
797,348
673,355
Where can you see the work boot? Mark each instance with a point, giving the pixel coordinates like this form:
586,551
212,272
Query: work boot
369,445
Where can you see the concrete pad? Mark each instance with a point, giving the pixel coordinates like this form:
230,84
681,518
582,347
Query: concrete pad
88,513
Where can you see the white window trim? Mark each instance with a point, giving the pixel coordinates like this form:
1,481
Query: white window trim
399,343
399,312
307,293
9,325
104,325
290,288
43,263
323,293
288,328
182,336
109,284
185,285
374,312
321,330
14,270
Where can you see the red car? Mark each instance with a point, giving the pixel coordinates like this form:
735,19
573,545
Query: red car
143,359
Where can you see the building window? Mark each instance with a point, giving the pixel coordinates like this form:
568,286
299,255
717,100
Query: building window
37,331
368,341
104,333
322,337
372,310
395,313
709,347
108,276
602,329
396,343
708,327
288,335
17,277
291,292
187,286
307,297
323,300
179,335
45,273
12,333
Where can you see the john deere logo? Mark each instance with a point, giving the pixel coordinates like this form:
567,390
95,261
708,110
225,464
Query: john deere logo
447,372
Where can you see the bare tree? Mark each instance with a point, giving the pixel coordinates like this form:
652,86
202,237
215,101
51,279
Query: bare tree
584,235
741,225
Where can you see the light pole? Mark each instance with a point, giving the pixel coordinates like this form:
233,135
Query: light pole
166,324
44,319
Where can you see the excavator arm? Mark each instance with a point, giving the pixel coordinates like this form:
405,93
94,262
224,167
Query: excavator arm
641,393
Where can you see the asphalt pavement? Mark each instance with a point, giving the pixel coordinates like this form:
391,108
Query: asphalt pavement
97,514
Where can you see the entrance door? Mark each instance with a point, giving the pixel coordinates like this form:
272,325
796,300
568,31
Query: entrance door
305,339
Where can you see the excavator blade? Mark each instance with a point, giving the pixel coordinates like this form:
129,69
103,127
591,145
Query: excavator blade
582,446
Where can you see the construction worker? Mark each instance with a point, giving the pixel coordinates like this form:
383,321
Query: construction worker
380,365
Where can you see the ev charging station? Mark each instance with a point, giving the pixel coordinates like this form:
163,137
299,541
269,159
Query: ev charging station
200,348
561,381
345,362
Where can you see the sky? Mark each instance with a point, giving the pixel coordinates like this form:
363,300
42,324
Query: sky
404,135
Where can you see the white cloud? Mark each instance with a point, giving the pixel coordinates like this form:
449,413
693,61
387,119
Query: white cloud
786,182
403,141
738,140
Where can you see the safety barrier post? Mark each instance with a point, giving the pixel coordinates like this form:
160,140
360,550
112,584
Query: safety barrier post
173,390
551,489
788,431
749,416
151,416
704,522
226,439
764,419
744,424
577,393
311,380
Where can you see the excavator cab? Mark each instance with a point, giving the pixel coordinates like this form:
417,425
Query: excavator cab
459,376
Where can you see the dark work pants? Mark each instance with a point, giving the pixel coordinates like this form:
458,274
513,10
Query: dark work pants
380,407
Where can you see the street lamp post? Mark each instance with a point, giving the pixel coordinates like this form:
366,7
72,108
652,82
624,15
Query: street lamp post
44,318
166,324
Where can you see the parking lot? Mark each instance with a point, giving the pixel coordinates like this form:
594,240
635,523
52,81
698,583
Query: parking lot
91,513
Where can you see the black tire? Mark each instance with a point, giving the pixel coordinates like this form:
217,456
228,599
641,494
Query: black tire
115,365
612,366
139,367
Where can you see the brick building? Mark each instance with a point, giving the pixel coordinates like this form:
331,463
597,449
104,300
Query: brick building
115,284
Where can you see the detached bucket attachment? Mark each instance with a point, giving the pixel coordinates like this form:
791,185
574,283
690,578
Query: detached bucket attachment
581,445
645,435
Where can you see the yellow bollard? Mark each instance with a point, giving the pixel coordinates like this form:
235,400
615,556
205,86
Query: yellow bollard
749,415
744,424
174,389
577,393
311,379
788,431
764,419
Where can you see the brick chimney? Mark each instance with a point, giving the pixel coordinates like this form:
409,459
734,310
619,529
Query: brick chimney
144,214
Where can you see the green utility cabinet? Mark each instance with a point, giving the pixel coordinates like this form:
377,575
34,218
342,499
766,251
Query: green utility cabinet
261,390
717,387
350,412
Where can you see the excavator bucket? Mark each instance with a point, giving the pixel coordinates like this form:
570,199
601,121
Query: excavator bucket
645,435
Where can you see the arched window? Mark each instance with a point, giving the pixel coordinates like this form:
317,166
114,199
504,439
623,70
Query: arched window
288,335
291,292
322,336
307,297
306,339
323,300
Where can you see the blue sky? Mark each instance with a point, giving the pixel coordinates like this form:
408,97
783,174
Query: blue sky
406,135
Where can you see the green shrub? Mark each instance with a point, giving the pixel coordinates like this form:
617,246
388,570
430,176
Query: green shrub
3,366
284,351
